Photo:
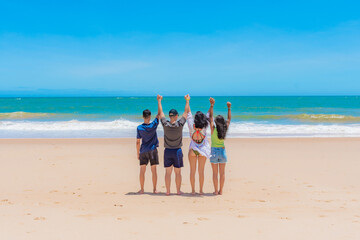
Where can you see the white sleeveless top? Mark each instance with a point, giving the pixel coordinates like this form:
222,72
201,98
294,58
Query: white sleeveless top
204,147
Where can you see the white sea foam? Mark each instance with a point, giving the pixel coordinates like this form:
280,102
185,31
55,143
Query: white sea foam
126,128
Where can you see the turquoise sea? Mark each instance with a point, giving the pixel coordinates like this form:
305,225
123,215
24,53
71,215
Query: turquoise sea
119,116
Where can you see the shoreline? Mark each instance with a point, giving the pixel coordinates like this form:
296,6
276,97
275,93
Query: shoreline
184,137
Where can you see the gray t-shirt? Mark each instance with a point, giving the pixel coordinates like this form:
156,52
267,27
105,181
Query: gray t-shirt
173,132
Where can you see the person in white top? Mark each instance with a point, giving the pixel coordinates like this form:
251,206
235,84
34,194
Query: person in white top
199,149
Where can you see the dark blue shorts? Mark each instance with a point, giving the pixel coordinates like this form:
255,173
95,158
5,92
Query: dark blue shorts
173,157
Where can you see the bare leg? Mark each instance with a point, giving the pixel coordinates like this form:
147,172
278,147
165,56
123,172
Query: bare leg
154,177
178,180
215,168
168,172
192,161
142,178
202,161
222,176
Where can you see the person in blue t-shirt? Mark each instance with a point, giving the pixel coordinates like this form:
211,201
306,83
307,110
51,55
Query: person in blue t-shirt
147,152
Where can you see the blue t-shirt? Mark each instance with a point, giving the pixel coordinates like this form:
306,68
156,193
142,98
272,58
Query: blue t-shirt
147,132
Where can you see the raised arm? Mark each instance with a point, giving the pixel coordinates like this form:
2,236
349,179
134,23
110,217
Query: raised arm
160,110
187,106
211,113
229,113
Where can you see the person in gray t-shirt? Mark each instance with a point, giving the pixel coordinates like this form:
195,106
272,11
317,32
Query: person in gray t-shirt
173,131
173,156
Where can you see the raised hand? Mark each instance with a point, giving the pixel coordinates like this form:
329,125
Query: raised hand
228,104
187,106
212,101
159,97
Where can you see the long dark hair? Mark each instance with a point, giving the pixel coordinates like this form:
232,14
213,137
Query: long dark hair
200,120
221,126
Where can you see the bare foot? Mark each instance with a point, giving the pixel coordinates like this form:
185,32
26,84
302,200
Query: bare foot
155,192
216,193
141,191
179,193
167,193
220,192
193,193
201,193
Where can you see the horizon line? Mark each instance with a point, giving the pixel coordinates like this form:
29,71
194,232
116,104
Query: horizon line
129,96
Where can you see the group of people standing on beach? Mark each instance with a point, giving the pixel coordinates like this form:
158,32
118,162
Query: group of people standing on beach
199,149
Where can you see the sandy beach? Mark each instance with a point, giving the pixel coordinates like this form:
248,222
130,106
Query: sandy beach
295,188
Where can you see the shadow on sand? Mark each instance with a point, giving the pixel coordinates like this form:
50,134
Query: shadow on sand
162,194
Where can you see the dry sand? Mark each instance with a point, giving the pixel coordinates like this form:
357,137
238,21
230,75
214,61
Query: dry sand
275,189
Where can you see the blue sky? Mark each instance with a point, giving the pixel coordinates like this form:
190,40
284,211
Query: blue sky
174,48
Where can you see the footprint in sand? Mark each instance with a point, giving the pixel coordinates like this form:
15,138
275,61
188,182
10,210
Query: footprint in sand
6,201
285,218
39,218
202,219
118,205
261,200
87,216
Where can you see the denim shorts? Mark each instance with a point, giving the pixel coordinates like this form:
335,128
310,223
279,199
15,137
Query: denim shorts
218,155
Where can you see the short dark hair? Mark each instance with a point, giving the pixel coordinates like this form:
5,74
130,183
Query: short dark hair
146,113
173,113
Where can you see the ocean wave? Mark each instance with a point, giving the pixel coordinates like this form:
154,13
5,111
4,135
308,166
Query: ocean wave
126,128
315,118
330,118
